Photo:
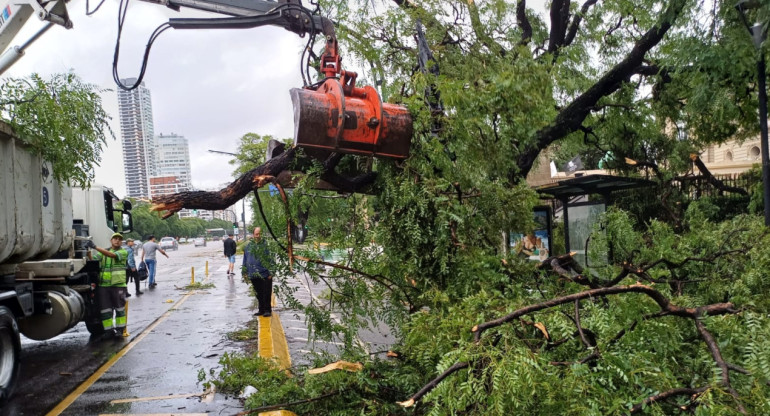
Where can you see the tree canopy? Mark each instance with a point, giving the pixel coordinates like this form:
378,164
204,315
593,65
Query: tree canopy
676,322
148,223
62,118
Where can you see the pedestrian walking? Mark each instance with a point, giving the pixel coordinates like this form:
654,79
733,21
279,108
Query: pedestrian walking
111,292
149,250
131,273
230,253
256,260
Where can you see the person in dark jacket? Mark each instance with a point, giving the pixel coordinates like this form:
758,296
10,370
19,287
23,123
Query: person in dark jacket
230,253
256,259
131,272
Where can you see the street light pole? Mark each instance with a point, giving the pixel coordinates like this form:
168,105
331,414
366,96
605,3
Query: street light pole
243,200
758,37
763,134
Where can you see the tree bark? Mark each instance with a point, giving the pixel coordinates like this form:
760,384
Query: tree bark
253,180
662,301
225,197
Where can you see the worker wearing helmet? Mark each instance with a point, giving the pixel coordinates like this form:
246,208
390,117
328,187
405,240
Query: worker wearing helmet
111,292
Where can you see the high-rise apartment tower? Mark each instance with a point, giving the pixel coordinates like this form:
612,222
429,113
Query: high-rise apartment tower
137,134
172,155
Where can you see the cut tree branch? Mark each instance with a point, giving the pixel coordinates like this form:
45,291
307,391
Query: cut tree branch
662,301
290,404
433,383
717,355
225,197
716,183
682,391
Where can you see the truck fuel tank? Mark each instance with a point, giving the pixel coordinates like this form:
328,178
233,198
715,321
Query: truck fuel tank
67,308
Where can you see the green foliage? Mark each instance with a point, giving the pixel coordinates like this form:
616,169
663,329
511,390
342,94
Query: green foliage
423,253
243,335
62,118
252,151
199,286
372,391
148,223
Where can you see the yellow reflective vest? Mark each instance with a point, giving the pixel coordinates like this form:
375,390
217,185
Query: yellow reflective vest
113,271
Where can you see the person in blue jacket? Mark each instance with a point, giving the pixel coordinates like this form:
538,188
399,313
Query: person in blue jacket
256,260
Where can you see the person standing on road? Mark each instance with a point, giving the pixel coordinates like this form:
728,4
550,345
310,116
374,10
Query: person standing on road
111,292
148,256
131,269
255,257
230,253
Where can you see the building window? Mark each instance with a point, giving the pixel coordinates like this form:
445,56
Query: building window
681,131
729,156
754,153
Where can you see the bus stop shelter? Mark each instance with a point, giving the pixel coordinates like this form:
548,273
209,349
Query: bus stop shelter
584,199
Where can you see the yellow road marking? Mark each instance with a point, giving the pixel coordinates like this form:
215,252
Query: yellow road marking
272,340
67,402
265,338
280,346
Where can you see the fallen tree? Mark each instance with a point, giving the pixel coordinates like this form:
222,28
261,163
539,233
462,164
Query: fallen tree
671,319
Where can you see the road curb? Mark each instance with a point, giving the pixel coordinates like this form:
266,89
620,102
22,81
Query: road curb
272,340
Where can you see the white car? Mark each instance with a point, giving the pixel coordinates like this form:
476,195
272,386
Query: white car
200,241
167,243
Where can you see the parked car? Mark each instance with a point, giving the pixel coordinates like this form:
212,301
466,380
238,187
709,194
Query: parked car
169,243
200,241
182,240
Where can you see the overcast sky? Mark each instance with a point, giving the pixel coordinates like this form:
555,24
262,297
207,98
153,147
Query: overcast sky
211,86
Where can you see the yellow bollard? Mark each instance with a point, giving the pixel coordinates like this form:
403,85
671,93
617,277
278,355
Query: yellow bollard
207,267
125,329
192,276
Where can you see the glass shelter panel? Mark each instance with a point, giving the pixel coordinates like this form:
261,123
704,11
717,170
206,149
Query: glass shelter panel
581,220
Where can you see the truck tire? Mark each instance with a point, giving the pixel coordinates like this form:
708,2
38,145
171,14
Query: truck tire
95,328
10,354
93,319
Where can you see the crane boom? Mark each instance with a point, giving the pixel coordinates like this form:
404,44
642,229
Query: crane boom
13,17
245,8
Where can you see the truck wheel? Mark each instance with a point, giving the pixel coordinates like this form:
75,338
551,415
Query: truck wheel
95,328
10,353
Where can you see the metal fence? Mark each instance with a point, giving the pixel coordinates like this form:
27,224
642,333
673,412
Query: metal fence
697,187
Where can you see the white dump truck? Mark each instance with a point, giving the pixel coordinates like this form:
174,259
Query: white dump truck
47,284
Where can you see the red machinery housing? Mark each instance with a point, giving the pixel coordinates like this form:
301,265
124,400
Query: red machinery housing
340,117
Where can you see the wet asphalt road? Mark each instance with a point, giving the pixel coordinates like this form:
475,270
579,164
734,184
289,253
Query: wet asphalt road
302,346
173,335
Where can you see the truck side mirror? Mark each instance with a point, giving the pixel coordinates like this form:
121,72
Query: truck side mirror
127,222
127,205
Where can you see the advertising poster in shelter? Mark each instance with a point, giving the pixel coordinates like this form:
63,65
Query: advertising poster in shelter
534,245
